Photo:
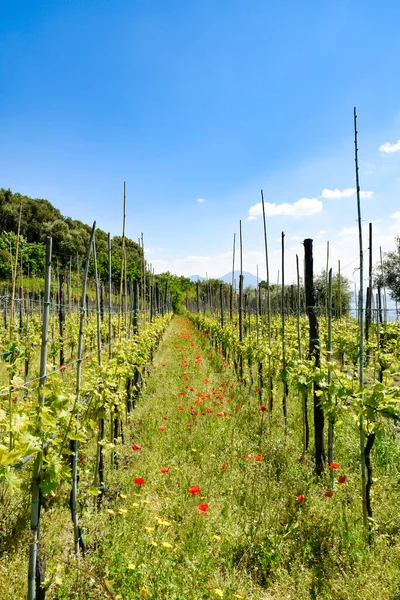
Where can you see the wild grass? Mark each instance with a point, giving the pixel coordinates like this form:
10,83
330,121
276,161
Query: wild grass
256,540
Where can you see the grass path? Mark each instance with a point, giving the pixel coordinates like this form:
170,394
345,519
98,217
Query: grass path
189,420
241,533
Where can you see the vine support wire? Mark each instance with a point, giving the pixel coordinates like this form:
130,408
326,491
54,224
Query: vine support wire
361,326
33,584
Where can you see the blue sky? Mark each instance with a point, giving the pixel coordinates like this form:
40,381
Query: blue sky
206,100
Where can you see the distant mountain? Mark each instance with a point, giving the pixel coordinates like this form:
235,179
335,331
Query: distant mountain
249,280
196,278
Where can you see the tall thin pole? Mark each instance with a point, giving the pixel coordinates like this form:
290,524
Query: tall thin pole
285,386
14,270
109,299
37,469
241,301
361,324
339,290
233,277
368,312
384,287
144,282
78,540
331,426
270,377
121,288
326,278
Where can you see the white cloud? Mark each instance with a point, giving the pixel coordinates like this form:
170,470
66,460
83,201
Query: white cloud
200,200
346,193
336,194
305,207
389,148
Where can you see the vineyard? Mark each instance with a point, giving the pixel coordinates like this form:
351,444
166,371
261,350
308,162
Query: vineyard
167,439
226,451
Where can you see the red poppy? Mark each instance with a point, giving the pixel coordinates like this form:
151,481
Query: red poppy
342,479
164,469
208,410
139,481
161,427
334,466
181,393
202,508
329,494
206,381
136,447
194,490
259,457
224,465
194,413
165,418
256,389
300,498
220,414
248,457
181,408
263,408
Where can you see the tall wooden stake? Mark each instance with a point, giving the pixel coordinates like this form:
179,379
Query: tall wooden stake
314,354
233,286
270,376
361,325
241,301
33,584
284,375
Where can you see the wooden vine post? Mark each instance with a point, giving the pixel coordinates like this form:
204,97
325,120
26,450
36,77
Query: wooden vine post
304,395
331,428
35,570
284,374
110,334
74,446
314,354
99,469
270,375
241,305
361,330
232,290
368,312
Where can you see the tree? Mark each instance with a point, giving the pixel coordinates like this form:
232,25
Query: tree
320,286
389,275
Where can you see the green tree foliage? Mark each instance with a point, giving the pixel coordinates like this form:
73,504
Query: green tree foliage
70,239
179,288
389,276
321,290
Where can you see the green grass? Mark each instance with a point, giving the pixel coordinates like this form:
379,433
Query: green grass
255,541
